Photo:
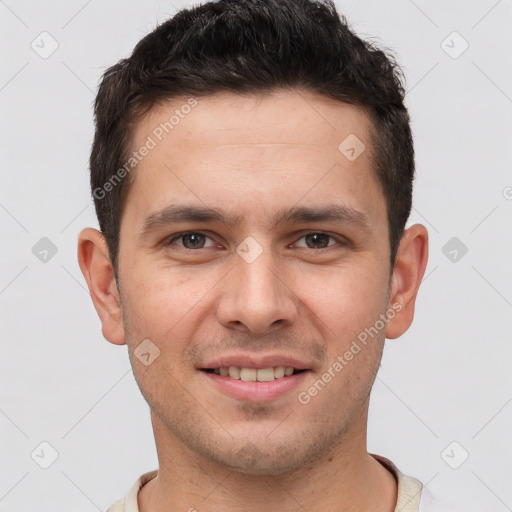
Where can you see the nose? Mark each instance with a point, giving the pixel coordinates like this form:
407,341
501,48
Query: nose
257,296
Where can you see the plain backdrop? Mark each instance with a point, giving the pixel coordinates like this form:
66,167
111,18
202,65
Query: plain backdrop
441,406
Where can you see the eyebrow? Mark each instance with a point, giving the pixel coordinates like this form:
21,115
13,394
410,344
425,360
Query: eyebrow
287,216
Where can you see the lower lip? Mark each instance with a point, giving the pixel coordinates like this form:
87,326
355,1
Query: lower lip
256,391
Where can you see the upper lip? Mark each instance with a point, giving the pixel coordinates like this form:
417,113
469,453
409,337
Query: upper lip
255,361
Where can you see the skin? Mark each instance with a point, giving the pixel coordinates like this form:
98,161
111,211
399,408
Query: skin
254,155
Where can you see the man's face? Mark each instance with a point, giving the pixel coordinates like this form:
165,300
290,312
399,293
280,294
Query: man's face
258,294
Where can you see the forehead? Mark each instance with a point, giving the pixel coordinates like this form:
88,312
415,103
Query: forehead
271,147
278,117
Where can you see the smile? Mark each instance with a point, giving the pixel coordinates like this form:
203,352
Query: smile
254,384
254,374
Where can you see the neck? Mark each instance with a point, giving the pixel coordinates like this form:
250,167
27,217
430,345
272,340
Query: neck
345,479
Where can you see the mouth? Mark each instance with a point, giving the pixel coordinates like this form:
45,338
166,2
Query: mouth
254,374
254,379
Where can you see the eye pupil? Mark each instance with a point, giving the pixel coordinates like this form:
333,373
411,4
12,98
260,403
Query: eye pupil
316,239
195,239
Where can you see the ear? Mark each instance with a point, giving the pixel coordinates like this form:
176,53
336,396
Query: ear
410,264
94,260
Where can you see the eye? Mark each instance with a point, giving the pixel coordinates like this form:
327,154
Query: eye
192,240
318,240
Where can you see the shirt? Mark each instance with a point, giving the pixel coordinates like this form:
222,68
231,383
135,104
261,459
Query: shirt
412,496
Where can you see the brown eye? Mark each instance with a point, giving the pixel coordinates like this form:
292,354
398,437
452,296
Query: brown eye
317,240
191,240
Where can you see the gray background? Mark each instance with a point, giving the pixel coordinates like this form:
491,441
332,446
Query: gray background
446,380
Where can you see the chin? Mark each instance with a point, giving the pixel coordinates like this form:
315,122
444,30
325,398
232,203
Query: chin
263,458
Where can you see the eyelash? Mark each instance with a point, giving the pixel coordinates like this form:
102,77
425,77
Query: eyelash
341,241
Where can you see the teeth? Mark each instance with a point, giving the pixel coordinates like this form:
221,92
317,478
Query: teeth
248,374
234,372
279,372
265,374
255,374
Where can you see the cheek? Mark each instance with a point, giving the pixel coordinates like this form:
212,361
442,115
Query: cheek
346,300
158,309
162,299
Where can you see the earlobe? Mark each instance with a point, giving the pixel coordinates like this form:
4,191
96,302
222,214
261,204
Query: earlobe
410,264
94,261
